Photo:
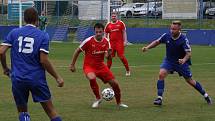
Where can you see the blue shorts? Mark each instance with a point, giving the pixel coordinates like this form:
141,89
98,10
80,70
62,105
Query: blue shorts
183,70
40,92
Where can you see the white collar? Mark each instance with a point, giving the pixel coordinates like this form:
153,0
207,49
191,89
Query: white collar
30,25
176,37
97,40
115,22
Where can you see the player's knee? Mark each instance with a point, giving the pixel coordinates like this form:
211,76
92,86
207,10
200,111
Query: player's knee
162,76
121,57
191,81
91,76
113,83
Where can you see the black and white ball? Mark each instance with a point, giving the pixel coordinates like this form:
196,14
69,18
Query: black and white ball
108,94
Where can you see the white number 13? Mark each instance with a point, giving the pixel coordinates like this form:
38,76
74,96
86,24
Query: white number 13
28,47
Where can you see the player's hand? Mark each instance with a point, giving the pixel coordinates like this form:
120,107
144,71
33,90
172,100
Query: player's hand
60,82
181,61
109,51
144,49
72,68
7,72
125,43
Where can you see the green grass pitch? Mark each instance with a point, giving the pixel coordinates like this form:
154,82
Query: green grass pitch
73,102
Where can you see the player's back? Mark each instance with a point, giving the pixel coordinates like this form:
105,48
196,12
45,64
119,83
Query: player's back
27,42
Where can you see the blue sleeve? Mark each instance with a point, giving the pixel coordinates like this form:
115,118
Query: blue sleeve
9,39
162,38
186,45
45,44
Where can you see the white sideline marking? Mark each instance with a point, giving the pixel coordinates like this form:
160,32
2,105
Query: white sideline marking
140,66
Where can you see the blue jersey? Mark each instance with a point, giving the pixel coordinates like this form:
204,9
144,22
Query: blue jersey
175,48
26,44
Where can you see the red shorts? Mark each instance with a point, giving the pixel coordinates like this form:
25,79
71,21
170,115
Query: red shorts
117,48
103,73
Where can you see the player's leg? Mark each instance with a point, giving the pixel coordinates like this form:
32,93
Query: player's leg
160,86
21,94
41,93
120,54
184,70
107,77
50,110
91,76
199,88
115,86
165,67
93,84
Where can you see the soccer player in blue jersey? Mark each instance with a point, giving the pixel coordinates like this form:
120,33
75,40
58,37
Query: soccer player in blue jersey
29,60
178,54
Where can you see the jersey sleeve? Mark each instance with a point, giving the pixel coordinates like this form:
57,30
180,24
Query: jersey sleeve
9,40
107,46
45,44
162,39
186,45
83,46
107,30
123,27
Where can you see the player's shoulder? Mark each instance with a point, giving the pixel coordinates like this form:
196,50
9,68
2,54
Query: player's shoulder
120,21
105,39
108,24
183,38
87,40
40,35
15,30
165,35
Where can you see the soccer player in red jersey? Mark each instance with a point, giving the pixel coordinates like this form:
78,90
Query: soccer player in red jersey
95,49
116,32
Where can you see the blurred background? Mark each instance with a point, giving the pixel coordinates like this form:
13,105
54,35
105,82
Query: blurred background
72,20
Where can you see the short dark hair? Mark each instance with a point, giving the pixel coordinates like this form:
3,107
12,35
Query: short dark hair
30,15
99,25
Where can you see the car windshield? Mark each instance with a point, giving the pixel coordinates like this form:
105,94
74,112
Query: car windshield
128,5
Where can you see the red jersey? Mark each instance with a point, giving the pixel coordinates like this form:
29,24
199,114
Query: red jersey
94,51
115,31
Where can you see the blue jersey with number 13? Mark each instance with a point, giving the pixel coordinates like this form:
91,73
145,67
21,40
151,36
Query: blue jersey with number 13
26,44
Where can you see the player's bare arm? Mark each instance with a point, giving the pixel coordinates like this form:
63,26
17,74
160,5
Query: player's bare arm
50,69
108,53
74,59
151,45
186,57
3,50
125,37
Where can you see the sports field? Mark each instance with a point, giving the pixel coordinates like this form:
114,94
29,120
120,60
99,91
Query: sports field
73,102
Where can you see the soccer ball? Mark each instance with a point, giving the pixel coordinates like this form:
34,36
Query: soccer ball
108,94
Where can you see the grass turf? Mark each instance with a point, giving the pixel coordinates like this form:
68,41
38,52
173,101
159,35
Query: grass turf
73,102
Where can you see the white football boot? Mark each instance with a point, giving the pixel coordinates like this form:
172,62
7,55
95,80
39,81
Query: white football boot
96,103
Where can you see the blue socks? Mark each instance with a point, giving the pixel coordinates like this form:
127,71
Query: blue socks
199,88
24,116
57,119
160,87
